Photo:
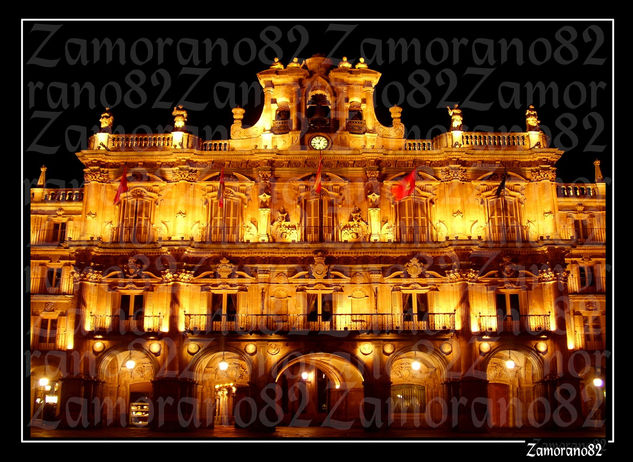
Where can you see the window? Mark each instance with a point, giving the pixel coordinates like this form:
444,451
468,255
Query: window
503,219
320,306
47,332
592,329
131,307
319,219
586,279
222,306
508,305
412,220
224,221
136,220
408,398
53,279
581,229
57,232
415,306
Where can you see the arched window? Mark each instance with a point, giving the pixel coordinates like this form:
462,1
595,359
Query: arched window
318,112
503,220
413,225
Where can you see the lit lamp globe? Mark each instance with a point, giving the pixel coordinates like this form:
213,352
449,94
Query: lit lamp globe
304,375
415,365
130,364
510,364
598,382
223,365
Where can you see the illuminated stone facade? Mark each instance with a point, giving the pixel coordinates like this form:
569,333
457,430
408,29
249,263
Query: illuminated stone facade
485,282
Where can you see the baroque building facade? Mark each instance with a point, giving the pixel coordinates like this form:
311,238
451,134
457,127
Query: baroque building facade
273,278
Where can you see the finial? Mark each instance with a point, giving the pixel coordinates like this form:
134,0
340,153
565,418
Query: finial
276,64
42,179
531,120
361,64
456,117
294,63
598,173
106,120
180,117
345,63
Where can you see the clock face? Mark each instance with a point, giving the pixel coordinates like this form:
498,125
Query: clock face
319,142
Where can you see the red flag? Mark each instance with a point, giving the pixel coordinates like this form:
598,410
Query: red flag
221,189
317,179
122,186
404,187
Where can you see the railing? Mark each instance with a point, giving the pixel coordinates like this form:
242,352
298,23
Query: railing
106,323
501,233
414,234
357,127
362,322
524,323
587,235
577,190
137,142
281,126
495,140
63,195
418,145
319,233
42,286
132,234
216,145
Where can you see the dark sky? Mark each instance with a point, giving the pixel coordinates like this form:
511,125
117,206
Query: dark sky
493,69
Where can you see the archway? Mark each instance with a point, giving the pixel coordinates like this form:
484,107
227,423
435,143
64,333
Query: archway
221,378
319,389
126,387
514,389
45,394
417,390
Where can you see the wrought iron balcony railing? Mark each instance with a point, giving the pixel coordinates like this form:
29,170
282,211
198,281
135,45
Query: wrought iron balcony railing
278,323
112,323
524,323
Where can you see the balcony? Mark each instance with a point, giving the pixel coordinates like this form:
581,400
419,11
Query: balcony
577,190
503,234
356,127
288,323
133,234
281,126
586,235
524,323
107,323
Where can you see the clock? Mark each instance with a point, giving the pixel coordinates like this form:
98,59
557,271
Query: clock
319,142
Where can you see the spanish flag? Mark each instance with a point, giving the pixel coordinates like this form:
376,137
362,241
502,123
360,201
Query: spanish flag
404,187
317,179
122,186
220,196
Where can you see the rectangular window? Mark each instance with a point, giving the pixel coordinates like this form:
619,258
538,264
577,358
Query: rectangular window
224,221
581,229
124,306
215,309
319,219
313,307
326,306
502,219
136,216
138,304
593,332
47,332
412,220
57,232
586,278
320,304
53,279
231,307
508,306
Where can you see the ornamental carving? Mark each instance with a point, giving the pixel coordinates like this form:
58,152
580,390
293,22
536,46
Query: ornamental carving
414,268
225,268
507,268
355,229
133,269
543,174
546,274
250,231
283,230
89,274
453,173
96,175
184,174
387,232
319,269
177,276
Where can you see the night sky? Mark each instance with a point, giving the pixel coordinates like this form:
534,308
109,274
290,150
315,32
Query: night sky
493,69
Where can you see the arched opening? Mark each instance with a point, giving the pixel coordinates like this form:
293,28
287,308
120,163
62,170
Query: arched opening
417,391
222,377
515,395
45,394
126,390
318,389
